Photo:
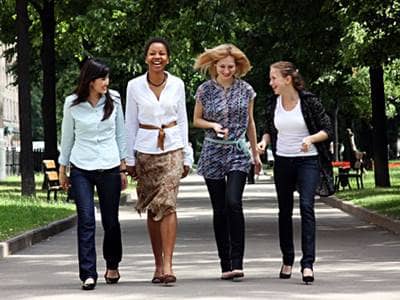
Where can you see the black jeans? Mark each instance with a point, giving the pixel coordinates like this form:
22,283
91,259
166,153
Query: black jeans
301,174
108,186
228,219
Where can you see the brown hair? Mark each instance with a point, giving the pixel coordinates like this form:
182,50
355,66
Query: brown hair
205,62
289,69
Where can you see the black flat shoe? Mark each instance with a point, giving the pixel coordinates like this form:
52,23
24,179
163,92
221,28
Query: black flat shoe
308,278
111,280
88,284
285,275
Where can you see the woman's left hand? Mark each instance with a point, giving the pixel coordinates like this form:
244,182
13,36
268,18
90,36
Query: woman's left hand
306,144
185,172
257,165
124,181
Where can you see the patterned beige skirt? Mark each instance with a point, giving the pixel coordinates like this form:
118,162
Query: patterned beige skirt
158,182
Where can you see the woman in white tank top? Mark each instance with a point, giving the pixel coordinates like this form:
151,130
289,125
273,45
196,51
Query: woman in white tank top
298,129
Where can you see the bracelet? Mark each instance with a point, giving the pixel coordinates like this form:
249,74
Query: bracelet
123,171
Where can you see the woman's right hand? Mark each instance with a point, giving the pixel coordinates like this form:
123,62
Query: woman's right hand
220,130
64,181
132,172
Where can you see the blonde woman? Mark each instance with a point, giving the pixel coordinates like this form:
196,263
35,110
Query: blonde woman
224,108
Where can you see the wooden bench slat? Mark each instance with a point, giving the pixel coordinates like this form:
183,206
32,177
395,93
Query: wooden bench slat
52,175
49,163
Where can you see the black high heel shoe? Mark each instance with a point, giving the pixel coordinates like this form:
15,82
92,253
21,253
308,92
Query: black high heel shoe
308,278
111,280
88,284
285,275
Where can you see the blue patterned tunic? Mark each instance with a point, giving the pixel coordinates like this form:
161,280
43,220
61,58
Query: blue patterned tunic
230,109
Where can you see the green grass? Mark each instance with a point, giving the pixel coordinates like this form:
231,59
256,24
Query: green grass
385,201
19,214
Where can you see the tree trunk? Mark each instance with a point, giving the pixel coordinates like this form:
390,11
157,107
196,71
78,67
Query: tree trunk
336,128
48,58
379,131
24,99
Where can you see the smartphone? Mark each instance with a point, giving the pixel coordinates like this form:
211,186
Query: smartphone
220,135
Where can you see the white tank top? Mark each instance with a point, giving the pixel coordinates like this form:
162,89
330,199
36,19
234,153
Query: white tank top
292,130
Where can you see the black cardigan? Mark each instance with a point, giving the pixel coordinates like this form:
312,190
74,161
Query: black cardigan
316,119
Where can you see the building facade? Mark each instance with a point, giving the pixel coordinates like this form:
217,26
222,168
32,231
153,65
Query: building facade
9,116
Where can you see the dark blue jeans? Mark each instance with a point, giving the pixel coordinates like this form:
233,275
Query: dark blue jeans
108,186
228,219
301,174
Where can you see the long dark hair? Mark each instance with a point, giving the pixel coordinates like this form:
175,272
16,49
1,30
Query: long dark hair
91,70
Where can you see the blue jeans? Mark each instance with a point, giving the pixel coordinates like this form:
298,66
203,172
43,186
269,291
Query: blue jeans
108,186
301,174
228,219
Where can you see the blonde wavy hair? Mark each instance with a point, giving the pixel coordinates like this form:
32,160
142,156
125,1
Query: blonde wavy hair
206,61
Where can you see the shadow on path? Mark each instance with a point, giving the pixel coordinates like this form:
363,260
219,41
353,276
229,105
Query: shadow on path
354,260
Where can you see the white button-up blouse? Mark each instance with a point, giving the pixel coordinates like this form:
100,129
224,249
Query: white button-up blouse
142,107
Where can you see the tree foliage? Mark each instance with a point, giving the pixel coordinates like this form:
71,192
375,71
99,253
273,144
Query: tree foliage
332,42
372,39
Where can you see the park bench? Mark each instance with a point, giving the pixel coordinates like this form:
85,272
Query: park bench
354,169
52,183
345,174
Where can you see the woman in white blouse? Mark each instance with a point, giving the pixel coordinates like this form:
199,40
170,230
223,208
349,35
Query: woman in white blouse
158,150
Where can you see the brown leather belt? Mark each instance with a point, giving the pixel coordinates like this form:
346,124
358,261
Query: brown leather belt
161,133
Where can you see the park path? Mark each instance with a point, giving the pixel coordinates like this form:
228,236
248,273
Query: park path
355,260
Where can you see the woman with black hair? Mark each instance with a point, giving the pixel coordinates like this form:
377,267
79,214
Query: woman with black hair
159,154
93,144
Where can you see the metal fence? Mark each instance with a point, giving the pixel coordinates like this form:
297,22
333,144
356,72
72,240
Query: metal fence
13,161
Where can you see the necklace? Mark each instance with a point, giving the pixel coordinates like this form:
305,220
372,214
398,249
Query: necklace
157,85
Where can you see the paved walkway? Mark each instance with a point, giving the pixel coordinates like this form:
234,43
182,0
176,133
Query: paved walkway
354,260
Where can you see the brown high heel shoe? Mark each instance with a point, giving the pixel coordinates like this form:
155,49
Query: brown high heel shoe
168,278
157,279
227,275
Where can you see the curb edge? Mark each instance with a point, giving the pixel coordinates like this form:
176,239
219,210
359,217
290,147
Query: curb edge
28,238
364,214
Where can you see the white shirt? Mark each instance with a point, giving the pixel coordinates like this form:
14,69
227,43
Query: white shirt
142,107
292,130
